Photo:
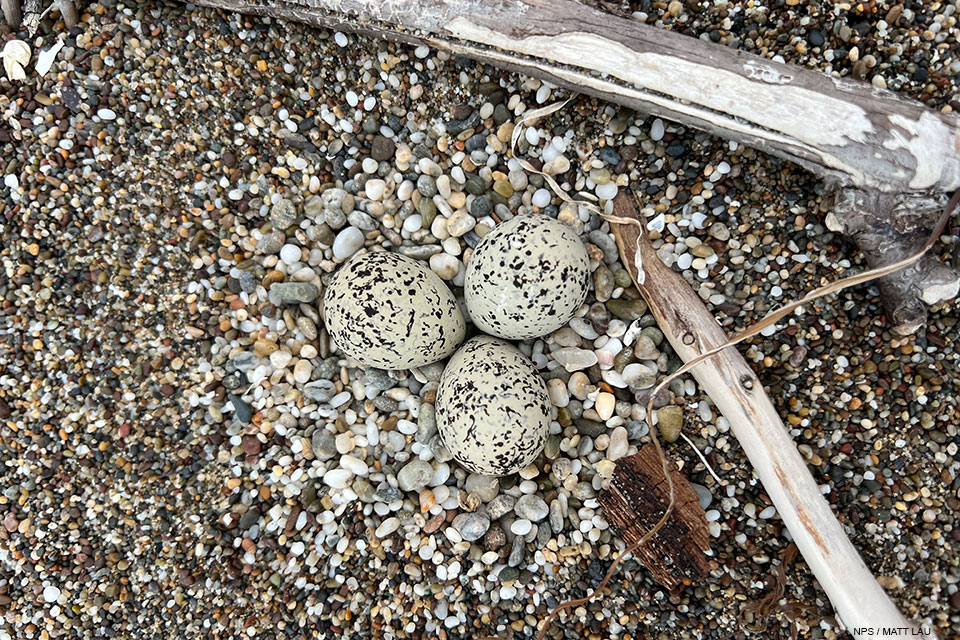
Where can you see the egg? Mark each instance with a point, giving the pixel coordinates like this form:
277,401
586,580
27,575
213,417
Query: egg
387,310
493,412
527,278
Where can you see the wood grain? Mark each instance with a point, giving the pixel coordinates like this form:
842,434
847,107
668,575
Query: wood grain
637,497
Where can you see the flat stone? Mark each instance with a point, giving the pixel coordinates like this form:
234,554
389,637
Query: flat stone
283,214
293,292
670,422
531,507
324,444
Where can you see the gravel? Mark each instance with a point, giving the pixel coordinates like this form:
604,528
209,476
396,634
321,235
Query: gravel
186,453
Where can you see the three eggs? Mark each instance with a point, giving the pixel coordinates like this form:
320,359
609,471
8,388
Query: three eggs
527,278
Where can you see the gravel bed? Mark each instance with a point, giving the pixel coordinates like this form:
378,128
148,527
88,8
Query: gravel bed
185,453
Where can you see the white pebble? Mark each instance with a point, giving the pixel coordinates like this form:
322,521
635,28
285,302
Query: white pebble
532,136
290,253
340,39
445,265
541,198
337,478
521,527
606,191
347,243
106,114
387,527
354,465
375,188
369,165
413,223
51,593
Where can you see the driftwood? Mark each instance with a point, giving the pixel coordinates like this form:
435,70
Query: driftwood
635,501
856,596
13,13
891,161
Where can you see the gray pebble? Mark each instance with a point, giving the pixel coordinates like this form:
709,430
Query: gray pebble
500,506
471,526
324,444
293,292
516,552
320,390
531,507
415,475
427,423
362,221
242,410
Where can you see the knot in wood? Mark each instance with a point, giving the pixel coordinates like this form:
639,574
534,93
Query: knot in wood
688,338
746,382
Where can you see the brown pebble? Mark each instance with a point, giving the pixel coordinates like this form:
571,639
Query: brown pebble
251,445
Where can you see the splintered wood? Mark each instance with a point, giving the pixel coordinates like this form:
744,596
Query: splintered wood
635,500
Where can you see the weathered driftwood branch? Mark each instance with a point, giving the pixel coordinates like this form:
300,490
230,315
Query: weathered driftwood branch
738,393
11,13
855,136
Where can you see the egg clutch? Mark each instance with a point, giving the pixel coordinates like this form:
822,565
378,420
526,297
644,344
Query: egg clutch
527,278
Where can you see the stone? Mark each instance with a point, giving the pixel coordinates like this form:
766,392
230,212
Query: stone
293,292
532,508
573,359
347,243
472,526
670,422
324,444
486,487
415,475
627,310
500,506
382,148
619,444
282,214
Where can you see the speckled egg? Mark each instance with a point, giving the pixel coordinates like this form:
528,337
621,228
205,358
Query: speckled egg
527,278
493,412
389,311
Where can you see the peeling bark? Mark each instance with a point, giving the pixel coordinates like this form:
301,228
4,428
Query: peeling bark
637,498
738,393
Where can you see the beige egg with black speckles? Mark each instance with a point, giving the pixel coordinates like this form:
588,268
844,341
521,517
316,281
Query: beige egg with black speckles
389,311
526,278
493,412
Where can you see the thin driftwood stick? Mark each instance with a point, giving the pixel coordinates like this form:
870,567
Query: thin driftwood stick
858,599
12,13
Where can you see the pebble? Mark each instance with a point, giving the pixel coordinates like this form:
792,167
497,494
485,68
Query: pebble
485,487
619,444
387,527
415,475
472,526
51,593
293,292
500,506
347,243
532,508
670,422
573,359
